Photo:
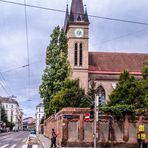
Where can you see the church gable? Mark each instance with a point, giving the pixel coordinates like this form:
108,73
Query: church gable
115,63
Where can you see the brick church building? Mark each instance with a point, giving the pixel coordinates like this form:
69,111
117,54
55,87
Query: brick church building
103,67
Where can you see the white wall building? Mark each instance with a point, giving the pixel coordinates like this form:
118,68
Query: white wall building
14,113
39,115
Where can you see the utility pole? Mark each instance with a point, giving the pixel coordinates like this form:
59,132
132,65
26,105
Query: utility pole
0,111
96,109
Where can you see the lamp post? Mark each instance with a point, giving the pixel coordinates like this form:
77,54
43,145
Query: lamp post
0,111
96,110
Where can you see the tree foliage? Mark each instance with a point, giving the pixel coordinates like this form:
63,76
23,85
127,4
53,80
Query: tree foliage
4,115
128,96
145,81
92,89
69,96
145,70
57,67
4,119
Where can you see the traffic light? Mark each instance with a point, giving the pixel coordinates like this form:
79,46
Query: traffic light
110,122
92,111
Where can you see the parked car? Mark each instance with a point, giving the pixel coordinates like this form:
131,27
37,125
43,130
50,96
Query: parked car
33,131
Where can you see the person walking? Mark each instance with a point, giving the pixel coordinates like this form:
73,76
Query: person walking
53,138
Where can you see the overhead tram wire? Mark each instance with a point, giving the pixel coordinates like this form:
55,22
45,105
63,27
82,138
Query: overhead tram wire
120,37
20,67
27,43
62,11
123,36
3,86
3,80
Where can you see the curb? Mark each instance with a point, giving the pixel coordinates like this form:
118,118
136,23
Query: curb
5,134
45,144
40,141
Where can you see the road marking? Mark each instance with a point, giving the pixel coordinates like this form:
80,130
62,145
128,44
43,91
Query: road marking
27,140
35,146
4,146
13,146
24,146
24,140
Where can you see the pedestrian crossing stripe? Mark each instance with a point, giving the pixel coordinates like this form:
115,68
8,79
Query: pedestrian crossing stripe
25,146
34,146
14,145
4,146
24,140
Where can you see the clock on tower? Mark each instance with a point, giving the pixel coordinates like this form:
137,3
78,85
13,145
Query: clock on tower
79,33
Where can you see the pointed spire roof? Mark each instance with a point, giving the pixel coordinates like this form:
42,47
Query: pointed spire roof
66,19
86,19
77,14
77,11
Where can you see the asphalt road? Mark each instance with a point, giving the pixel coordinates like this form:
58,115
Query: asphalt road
14,140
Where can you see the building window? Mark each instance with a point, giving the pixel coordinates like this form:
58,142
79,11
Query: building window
11,106
81,55
76,54
6,106
101,94
39,109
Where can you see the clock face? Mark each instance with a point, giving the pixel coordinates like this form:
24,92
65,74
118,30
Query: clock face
79,33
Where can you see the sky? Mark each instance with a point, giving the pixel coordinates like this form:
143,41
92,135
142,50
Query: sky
105,36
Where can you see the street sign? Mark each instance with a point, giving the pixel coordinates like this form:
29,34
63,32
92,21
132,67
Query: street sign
87,117
141,128
71,116
139,136
143,136
68,116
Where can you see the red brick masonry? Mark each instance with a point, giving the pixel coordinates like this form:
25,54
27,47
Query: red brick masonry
73,130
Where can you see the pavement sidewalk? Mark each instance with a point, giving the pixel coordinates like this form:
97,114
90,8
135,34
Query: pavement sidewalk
44,140
4,134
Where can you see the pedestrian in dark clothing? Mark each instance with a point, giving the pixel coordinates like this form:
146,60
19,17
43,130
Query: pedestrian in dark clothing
53,138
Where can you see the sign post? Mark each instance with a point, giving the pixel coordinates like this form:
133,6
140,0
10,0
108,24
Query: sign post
96,109
141,136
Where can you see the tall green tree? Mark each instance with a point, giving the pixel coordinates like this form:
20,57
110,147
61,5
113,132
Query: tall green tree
4,115
57,67
145,70
69,96
127,97
129,91
145,81
92,89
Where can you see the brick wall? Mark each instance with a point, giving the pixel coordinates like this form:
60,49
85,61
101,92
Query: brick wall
73,130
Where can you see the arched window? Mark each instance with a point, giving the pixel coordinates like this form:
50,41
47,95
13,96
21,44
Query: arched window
81,55
76,55
101,94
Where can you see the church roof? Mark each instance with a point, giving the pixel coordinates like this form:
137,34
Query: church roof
115,63
77,14
77,10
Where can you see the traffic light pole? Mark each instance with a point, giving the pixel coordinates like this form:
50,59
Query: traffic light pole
96,119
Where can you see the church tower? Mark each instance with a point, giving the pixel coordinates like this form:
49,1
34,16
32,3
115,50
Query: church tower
77,29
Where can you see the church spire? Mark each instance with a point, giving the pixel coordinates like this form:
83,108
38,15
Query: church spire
86,19
77,11
66,19
77,14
